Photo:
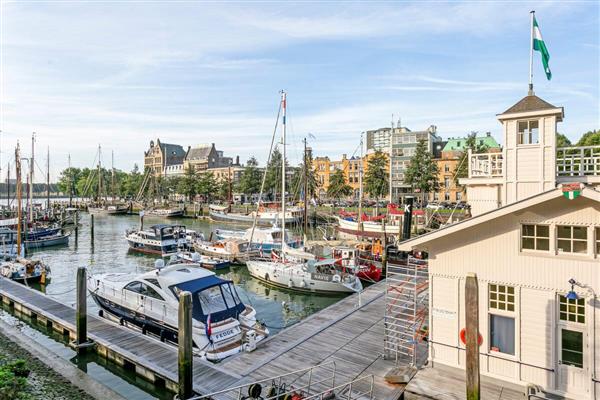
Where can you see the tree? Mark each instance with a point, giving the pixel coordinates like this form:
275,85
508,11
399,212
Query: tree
68,179
462,168
188,184
376,180
273,178
562,140
422,172
300,174
207,185
251,178
590,138
338,187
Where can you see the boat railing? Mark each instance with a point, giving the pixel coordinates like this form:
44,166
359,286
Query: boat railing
150,304
313,381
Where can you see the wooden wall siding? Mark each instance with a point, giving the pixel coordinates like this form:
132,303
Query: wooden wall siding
493,252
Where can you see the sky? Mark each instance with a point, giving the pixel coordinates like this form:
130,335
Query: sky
119,74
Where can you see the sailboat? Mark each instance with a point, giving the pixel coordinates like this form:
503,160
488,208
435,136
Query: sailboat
312,275
113,207
21,269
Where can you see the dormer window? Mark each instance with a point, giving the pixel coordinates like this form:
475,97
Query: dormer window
528,132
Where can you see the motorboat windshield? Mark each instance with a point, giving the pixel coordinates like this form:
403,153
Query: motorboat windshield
211,296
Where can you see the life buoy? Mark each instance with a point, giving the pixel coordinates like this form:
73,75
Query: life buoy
337,278
463,337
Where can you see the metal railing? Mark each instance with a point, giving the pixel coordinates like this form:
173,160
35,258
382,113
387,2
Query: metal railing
346,391
578,161
488,165
301,380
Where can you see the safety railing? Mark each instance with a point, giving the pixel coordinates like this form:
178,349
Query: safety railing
347,391
302,382
486,165
578,161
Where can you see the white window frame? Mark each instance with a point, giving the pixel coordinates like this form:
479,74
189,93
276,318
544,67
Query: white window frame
535,237
597,240
503,313
520,135
580,304
572,240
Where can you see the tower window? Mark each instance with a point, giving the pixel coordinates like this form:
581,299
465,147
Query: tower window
528,132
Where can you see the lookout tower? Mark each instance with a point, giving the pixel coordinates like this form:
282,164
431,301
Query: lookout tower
527,164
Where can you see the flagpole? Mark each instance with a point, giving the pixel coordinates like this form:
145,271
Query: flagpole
531,13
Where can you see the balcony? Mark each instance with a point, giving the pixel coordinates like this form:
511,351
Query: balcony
579,164
485,165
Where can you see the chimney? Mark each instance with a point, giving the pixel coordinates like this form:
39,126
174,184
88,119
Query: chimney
237,160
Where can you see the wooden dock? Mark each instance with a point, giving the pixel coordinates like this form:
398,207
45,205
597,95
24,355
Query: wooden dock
345,333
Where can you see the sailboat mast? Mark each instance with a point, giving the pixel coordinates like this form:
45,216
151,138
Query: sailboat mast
284,106
19,195
360,181
70,183
112,177
31,169
48,179
8,186
305,189
391,151
99,173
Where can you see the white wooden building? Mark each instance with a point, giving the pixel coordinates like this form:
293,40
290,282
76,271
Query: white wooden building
527,239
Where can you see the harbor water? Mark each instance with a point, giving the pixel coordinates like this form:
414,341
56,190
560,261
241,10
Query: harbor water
106,250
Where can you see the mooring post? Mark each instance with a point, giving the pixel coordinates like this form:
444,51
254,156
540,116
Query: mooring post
472,336
81,310
142,220
184,341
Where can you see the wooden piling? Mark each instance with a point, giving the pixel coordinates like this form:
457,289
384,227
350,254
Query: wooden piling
81,315
185,345
472,336
92,225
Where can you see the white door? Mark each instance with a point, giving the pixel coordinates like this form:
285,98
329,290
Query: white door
573,365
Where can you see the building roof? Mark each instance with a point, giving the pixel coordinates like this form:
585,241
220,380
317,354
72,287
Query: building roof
438,147
407,245
458,144
529,103
200,152
172,153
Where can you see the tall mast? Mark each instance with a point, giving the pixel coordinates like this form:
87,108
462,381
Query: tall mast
31,168
70,183
99,173
360,182
8,186
305,189
19,195
112,177
229,192
283,104
391,151
48,179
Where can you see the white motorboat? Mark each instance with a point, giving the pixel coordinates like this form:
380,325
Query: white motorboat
311,276
163,240
207,262
222,325
165,212
234,250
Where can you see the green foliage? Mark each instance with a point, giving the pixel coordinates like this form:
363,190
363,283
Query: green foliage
462,168
13,380
273,178
338,187
299,176
251,178
188,183
422,172
562,140
376,181
207,185
590,138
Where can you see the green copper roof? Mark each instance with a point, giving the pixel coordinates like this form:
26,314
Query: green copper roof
458,144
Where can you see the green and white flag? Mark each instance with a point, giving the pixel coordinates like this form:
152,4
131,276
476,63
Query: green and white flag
540,45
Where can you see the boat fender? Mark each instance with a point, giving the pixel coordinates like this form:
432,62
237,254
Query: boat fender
144,329
290,283
101,313
162,335
267,277
303,284
254,390
337,278
121,321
